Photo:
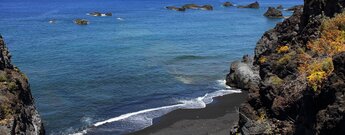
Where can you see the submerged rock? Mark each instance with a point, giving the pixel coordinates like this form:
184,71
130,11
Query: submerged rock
175,8
81,22
252,5
18,114
227,4
273,13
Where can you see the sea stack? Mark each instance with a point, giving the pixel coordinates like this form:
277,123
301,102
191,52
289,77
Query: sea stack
18,114
273,13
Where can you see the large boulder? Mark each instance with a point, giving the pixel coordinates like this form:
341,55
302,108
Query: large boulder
273,13
243,74
81,21
252,5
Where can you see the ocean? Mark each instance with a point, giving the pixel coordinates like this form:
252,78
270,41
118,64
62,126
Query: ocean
118,73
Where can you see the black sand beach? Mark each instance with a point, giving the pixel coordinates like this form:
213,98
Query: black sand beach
217,118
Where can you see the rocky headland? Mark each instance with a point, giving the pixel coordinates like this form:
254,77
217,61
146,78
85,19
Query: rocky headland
296,81
18,114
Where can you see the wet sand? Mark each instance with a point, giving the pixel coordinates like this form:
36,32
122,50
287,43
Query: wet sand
216,119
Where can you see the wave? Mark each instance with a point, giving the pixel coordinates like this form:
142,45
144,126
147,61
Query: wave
144,118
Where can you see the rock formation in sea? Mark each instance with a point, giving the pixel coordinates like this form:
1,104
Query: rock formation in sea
18,114
300,63
227,4
280,7
81,21
252,5
273,13
175,8
190,6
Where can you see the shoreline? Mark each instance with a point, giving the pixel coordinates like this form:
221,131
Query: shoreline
216,118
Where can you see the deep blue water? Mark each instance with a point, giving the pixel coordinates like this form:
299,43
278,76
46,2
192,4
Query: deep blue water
151,58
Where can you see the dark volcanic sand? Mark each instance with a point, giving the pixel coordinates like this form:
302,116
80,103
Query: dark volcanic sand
217,118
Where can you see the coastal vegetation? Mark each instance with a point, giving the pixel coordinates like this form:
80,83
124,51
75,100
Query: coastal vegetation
317,64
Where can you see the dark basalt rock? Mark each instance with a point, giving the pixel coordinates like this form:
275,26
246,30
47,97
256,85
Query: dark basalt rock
175,8
18,114
252,5
273,13
81,22
227,4
206,7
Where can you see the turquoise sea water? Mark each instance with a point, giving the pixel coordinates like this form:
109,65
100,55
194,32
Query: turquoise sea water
139,64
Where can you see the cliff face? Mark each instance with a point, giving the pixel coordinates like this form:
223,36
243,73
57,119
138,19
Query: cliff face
301,68
18,114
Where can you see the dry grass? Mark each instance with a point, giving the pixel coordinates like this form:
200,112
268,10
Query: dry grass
317,65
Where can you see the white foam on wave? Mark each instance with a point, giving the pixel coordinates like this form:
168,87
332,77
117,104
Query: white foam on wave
144,118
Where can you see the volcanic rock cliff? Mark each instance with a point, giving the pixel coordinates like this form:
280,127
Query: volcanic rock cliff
301,88
18,114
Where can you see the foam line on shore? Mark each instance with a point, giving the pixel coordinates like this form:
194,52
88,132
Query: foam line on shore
144,118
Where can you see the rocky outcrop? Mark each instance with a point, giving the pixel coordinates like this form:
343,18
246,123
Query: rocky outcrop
285,102
273,13
18,114
228,4
280,7
81,21
252,5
